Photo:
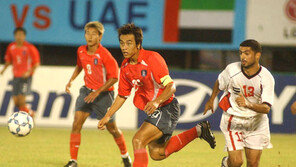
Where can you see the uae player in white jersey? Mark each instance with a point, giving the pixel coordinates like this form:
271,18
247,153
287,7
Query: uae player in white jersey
248,95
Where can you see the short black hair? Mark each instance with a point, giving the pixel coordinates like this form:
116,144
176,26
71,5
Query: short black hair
253,44
19,29
131,29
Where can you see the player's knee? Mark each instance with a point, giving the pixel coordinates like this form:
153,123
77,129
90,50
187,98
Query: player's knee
138,142
252,163
113,131
236,162
155,154
155,157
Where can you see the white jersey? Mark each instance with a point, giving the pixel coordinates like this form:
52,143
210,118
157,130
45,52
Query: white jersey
258,88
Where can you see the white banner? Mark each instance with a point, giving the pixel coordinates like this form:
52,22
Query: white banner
272,22
55,108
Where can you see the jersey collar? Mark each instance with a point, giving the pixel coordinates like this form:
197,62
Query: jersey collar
249,77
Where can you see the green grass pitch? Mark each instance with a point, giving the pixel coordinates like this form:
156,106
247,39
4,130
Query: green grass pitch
50,147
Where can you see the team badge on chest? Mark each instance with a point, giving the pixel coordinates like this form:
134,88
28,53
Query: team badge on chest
144,73
96,61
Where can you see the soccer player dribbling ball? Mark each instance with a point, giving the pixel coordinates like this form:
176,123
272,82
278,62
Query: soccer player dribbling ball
147,72
248,95
24,58
101,73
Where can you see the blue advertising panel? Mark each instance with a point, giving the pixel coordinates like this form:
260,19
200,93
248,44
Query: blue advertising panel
195,88
61,22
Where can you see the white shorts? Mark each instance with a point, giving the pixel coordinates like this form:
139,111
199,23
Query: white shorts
240,132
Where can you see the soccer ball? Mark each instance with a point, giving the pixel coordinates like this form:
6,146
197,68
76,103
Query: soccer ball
20,123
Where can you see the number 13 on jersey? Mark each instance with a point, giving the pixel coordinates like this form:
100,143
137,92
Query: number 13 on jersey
248,90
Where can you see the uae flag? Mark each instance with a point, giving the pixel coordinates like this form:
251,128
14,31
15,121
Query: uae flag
209,21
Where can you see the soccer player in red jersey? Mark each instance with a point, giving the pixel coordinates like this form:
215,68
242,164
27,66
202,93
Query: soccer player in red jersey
147,72
101,73
24,57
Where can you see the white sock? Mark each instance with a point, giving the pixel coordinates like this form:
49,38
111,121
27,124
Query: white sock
198,129
125,155
73,160
224,162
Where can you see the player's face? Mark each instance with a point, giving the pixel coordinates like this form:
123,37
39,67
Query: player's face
248,57
19,37
128,45
92,36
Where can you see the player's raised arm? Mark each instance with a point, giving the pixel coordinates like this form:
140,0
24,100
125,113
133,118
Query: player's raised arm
119,101
76,72
210,103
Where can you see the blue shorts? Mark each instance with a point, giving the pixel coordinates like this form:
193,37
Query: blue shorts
100,105
21,86
165,119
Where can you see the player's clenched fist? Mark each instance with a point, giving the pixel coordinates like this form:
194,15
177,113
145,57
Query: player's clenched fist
151,107
241,101
103,122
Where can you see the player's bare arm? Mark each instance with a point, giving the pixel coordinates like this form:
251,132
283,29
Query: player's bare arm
151,106
260,108
5,67
118,102
74,75
93,95
210,103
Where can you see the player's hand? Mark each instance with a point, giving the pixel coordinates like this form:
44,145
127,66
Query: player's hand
241,101
26,74
2,72
68,87
209,106
103,122
150,107
91,97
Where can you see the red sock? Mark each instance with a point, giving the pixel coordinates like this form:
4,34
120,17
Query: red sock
179,141
24,108
74,145
121,144
141,158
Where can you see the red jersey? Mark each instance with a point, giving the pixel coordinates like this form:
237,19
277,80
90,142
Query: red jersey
145,77
98,68
22,58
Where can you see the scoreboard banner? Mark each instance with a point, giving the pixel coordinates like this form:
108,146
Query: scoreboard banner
272,23
55,108
174,24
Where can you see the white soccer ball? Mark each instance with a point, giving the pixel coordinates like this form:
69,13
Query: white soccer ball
20,123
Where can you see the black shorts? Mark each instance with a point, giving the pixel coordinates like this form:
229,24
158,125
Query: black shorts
100,104
165,119
21,86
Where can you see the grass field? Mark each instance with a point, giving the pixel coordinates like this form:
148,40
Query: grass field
50,147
